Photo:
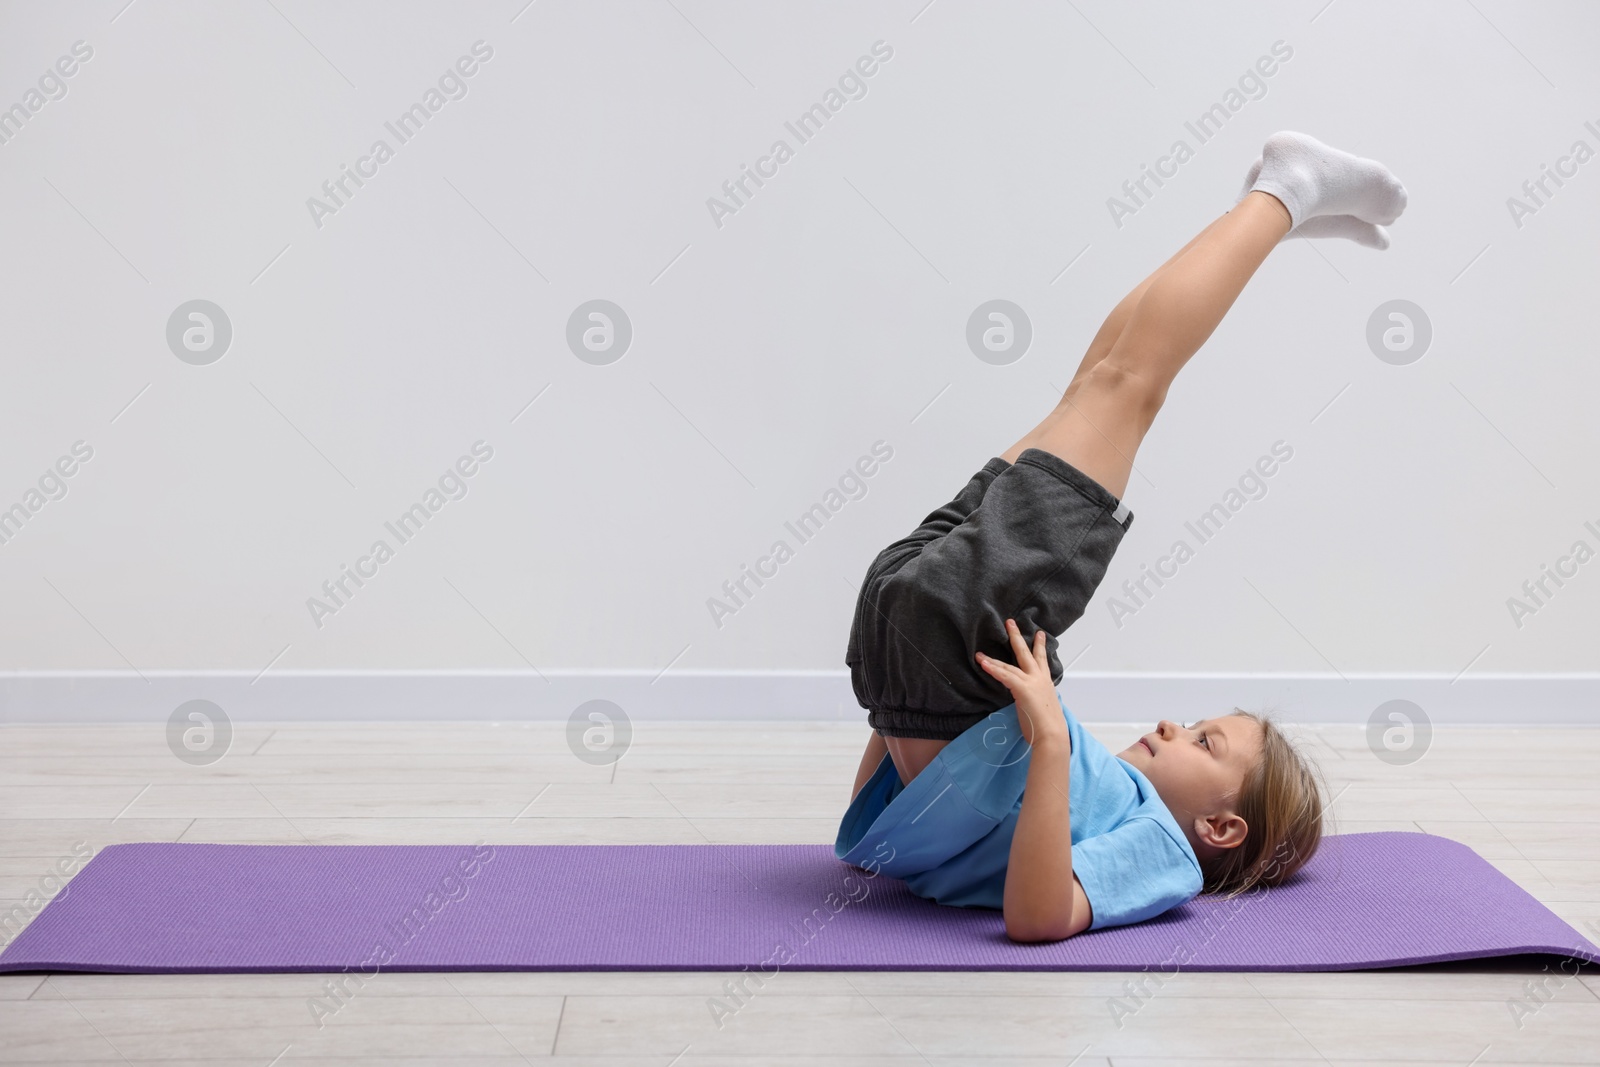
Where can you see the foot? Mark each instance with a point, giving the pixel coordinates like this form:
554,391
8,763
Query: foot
1312,180
1346,226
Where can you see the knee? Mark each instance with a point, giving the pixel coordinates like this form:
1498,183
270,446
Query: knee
1133,386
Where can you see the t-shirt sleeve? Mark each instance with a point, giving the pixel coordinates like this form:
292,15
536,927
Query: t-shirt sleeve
1134,872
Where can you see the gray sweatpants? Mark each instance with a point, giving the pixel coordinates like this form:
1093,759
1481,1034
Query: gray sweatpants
1029,541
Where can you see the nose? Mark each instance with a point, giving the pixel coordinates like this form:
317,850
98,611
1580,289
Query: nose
1166,728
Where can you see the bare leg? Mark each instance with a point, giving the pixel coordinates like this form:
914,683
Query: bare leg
1117,320
912,754
1102,419
870,759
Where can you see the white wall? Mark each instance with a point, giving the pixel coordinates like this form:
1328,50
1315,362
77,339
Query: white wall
772,351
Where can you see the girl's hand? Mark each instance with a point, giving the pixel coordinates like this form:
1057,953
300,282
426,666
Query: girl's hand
1038,707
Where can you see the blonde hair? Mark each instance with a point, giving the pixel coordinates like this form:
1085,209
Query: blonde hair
1281,802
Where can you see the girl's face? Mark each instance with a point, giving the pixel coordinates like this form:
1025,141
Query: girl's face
1199,771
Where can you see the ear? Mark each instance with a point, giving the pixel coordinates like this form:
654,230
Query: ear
1223,830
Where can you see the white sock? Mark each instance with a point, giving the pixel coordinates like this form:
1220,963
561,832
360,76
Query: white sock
1312,179
1347,226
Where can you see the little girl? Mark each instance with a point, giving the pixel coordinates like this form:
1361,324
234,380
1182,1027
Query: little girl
978,787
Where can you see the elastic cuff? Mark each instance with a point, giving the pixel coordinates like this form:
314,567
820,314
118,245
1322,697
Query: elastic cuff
923,725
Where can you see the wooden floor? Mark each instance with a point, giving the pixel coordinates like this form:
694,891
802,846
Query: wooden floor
1526,799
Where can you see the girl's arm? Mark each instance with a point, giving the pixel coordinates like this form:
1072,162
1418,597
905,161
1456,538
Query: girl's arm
877,748
1042,901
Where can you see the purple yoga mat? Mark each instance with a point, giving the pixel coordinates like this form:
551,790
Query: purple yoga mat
1365,900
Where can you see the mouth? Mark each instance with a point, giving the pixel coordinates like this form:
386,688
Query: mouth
1147,747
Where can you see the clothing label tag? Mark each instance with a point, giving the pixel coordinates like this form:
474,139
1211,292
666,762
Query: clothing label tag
1121,512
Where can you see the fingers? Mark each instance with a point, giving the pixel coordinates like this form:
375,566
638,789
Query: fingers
1002,671
1019,647
1029,660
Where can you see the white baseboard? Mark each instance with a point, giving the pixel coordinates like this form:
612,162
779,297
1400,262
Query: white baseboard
763,696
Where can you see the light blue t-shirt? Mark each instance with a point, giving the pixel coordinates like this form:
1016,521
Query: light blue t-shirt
948,833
